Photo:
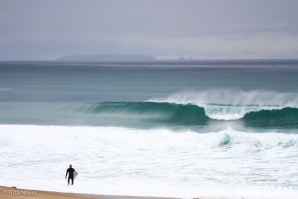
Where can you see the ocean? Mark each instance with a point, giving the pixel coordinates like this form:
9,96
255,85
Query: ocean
213,129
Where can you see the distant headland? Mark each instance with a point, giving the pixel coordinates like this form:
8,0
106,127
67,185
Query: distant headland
108,57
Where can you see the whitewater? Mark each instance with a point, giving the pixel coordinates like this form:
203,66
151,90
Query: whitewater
148,162
216,129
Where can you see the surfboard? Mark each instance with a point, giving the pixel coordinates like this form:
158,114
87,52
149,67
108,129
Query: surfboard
75,174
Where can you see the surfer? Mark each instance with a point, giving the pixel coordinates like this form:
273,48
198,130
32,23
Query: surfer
70,172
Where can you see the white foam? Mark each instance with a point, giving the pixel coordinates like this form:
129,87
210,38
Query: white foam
147,162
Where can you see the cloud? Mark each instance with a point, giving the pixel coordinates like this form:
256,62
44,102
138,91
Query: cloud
202,29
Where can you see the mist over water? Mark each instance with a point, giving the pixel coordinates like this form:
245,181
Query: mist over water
227,96
186,126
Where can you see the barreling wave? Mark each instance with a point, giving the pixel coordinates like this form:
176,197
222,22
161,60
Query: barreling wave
194,115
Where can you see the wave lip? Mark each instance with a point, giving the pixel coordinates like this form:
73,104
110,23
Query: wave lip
229,112
232,97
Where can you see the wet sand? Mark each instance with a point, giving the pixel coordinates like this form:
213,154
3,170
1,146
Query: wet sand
15,193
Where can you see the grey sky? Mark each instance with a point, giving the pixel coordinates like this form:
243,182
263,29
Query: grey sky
203,29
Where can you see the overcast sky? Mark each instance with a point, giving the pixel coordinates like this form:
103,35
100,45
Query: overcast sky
166,29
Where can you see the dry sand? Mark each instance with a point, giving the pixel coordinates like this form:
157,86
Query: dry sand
15,193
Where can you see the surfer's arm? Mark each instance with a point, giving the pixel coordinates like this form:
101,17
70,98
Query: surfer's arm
66,173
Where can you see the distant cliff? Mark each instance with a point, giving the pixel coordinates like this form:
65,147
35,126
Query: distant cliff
109,57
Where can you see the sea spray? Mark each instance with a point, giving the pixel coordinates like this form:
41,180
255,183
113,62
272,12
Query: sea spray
232,97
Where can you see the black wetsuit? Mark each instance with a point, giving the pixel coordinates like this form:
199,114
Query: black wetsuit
70,172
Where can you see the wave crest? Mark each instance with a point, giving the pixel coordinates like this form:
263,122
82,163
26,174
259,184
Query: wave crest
232,97
233,104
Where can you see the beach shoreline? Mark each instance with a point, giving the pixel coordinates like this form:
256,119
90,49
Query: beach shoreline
14,192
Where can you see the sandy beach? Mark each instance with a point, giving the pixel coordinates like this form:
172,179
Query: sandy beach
13,193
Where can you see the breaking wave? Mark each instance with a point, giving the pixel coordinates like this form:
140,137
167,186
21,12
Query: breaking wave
190,114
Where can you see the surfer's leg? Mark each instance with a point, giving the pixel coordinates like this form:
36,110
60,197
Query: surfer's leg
68,179
72,180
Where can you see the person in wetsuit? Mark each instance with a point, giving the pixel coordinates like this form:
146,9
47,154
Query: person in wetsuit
70,172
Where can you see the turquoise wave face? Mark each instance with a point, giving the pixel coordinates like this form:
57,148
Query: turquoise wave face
284,118
150,112
172,114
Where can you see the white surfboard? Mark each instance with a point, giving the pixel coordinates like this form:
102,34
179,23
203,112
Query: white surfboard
75,174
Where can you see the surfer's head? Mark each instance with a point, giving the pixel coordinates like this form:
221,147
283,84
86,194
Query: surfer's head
70,166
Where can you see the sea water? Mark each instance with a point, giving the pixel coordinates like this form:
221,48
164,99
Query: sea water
176,129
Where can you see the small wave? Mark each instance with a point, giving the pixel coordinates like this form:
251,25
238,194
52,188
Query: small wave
255,142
